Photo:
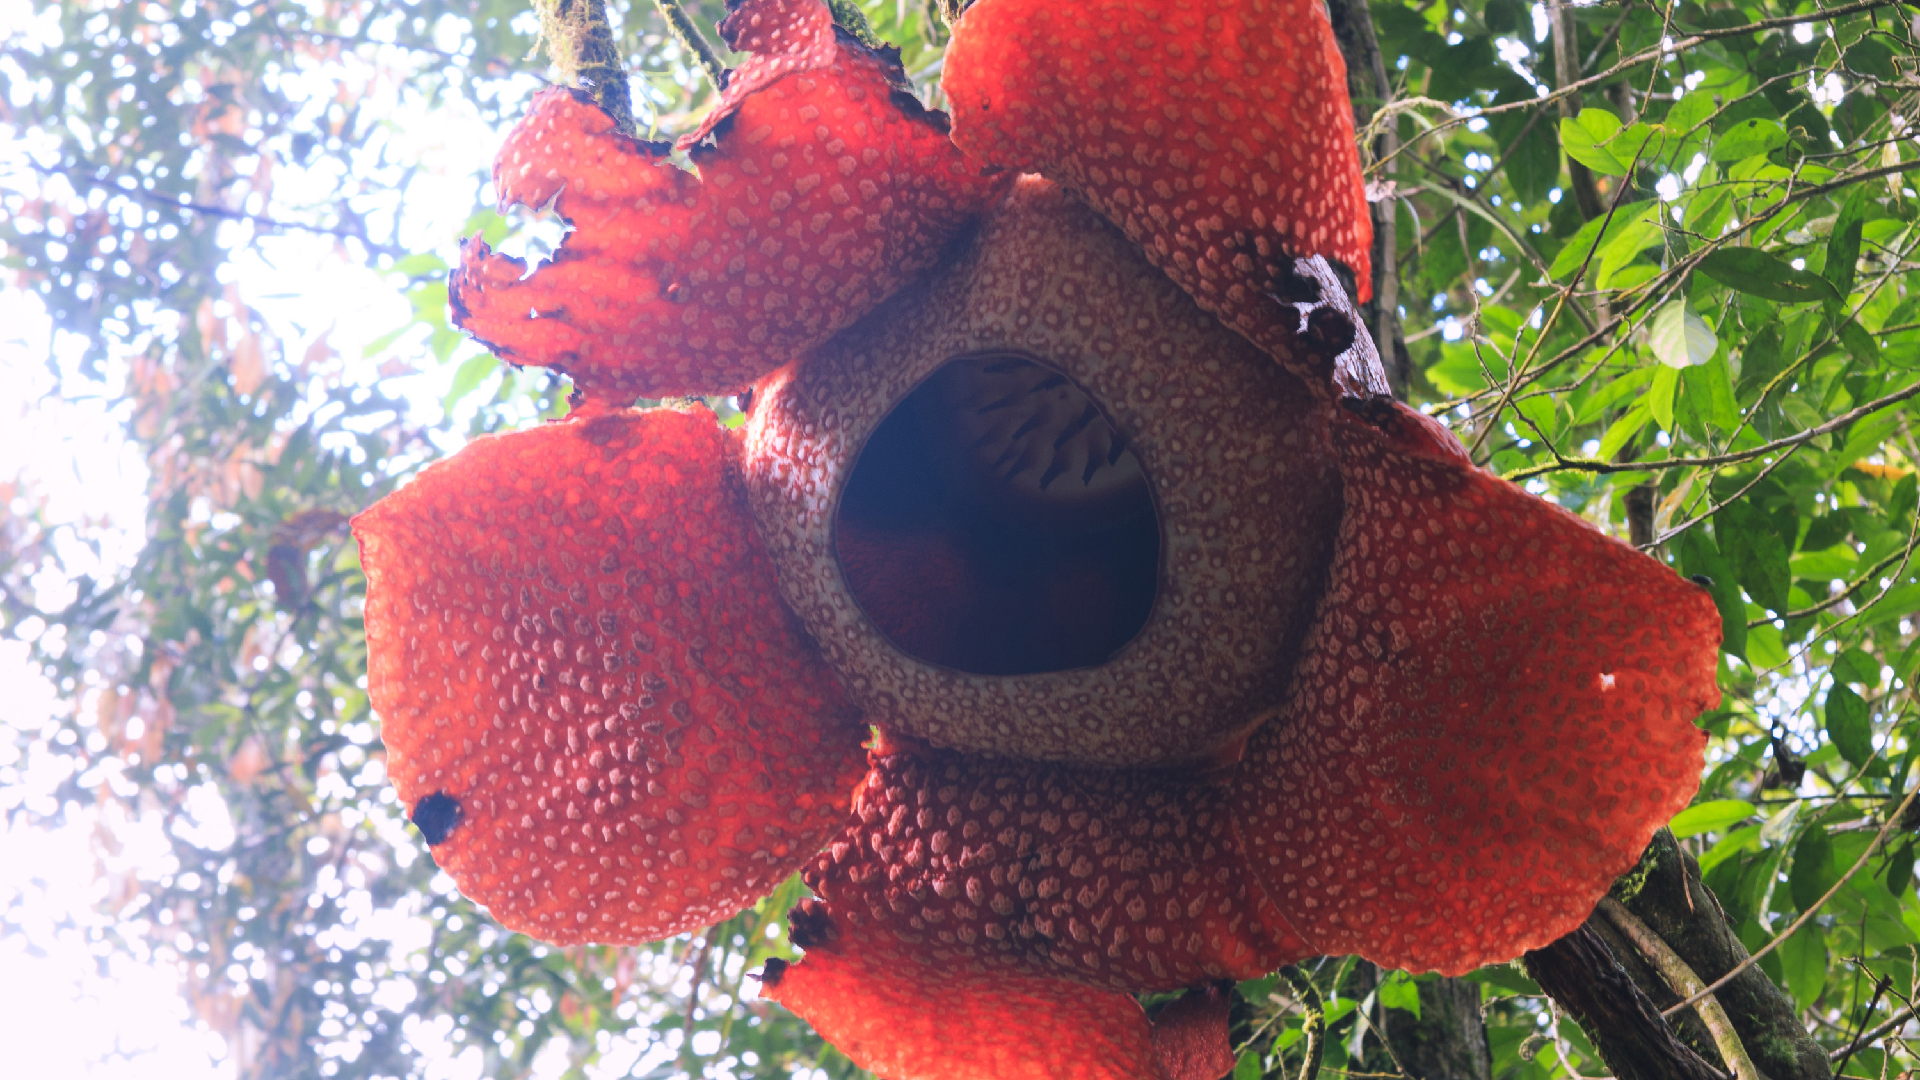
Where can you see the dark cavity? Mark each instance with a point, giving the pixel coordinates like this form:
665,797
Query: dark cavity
997,523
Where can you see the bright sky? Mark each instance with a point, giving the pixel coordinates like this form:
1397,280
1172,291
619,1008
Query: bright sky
61,1015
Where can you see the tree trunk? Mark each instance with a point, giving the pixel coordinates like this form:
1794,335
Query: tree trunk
1448,1041
1566,72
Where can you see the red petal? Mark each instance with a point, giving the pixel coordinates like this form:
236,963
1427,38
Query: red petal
1190,1036
588,685
784,36
1218,135
1129,880
1492,716
905,1017
825,192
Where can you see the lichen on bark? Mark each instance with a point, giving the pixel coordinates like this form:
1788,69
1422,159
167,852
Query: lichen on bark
579,41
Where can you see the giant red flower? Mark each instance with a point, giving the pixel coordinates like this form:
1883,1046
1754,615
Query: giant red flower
1069,470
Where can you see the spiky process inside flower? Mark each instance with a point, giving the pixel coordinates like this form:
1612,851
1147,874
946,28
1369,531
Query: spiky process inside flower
1186,652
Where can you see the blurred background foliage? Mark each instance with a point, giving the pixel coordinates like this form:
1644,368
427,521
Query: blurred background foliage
1653,261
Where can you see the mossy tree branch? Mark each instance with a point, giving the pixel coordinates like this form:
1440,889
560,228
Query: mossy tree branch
1580,972
579,41
1682,980
688,34
1665,892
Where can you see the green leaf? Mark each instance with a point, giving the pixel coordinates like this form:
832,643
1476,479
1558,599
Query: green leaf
1624,429
1866,437
1688,112
1843,246
421,263
1803,960
1706,211
1735,842
1900,870
1860,345
1626,245
384,341
1248,1067
1849,725
1748,138
1767,276
1586,136
1869,56
1854,666
1586,239
1710,389
1612,393
1813,873
1699,557
471,372
1712,816
1399,991
1757,553
1660,396
1681,338
443,341
1629,145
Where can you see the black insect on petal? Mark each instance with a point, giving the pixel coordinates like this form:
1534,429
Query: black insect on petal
436,816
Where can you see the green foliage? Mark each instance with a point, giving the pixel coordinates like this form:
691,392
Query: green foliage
229,660
1694,275
1687,272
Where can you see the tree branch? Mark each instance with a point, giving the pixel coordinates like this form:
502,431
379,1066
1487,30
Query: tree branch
580,42
1580,973
687,33
1597,465
1683,981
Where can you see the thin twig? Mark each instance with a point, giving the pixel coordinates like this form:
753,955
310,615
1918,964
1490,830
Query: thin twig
1516,373
1669,279
1597,465
1471,201
156,198
693,988
1879,991
1655,53
1858,583
1873,1036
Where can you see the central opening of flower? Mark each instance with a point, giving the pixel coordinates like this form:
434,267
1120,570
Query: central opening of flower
997,523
